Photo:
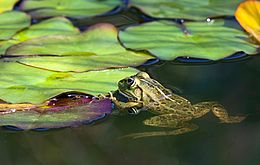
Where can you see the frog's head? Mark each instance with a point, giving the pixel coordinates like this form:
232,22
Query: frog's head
131,86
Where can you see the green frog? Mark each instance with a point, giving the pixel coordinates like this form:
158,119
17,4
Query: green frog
170,109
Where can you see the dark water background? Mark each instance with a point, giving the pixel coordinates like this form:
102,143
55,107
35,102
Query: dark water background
233,84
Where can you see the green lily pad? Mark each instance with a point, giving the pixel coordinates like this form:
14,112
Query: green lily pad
69,8
4,45
53,26
187,9
58,117
8,27
20,83
98,48
6,5
167,41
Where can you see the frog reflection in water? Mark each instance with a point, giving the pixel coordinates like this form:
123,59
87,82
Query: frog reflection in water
171,110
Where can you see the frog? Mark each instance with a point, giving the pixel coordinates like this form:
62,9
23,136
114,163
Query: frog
170,110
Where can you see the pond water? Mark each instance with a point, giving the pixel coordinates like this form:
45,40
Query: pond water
235,85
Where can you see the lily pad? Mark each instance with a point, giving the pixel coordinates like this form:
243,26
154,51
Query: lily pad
6,5
8,27
95,49
20,83
53,26
69,8
167,41
187,9
81,113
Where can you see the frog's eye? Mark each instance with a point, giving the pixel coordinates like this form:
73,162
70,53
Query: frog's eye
130,81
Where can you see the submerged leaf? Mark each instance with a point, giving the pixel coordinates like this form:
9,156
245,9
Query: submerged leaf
20,83
6,5
80,112
187,9
8,27
167,40
70,8
248,15
95,49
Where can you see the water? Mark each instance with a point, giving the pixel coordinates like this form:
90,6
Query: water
235,85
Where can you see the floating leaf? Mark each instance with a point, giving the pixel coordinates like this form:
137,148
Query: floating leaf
4,45
98,48
69,8
20,83
248,15
167,40
80,112
187,9
53,26
8,27
6,5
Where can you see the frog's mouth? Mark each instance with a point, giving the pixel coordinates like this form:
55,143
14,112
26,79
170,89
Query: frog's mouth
128,95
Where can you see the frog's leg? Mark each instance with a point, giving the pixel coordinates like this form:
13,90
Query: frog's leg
167,121
218,110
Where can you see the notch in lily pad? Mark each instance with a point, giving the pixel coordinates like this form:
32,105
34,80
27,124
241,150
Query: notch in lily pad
206,40
95,49
188,9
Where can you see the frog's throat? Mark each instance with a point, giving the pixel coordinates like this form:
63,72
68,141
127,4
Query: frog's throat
130,97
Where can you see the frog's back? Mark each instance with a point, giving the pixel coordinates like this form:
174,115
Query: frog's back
171,104
154,89
161,100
